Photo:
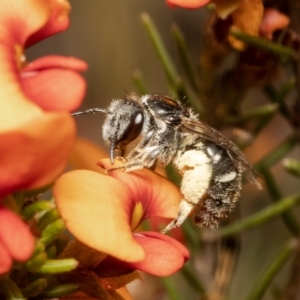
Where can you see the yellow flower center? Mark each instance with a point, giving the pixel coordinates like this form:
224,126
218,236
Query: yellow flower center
137,215
20,57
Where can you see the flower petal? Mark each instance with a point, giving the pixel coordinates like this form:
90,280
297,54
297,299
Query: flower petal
273,20
246,18
32,156
161,250
96,209
85,154
52,83
15,235
164,255
16,26
188,3
55,61
158,195
56,22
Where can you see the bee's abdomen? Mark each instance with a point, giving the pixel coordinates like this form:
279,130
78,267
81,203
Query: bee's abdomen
223,191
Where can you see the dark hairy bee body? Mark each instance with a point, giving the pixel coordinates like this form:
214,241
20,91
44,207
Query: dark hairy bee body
164,131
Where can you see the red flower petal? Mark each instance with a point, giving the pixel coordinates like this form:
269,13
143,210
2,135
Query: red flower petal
16,26
5,259
56,22
188,3
164,255
52,83
32,155
160,197
15,235
272,20
98,208
55,61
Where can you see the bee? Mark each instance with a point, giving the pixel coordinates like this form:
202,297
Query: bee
164,131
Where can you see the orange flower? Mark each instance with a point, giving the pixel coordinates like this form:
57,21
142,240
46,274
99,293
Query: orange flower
102,211
35,144
246,15
188,3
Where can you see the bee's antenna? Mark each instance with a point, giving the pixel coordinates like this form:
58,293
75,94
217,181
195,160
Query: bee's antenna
89,111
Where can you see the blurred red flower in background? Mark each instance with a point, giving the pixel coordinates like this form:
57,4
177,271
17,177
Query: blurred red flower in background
34,144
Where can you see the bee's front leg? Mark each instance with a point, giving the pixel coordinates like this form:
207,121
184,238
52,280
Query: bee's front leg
130,165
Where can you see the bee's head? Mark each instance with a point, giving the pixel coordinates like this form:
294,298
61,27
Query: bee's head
124,122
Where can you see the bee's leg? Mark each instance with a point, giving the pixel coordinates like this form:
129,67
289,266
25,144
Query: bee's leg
194,184
129,166
185,209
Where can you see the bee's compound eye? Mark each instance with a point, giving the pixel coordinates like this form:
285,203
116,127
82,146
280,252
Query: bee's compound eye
134,128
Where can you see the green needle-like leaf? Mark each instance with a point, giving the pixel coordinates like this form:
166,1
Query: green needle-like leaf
283,52
170,288
47,218
257,113
34,288
260,217
36,207
59,266
185,59
264,281
52,231
36,262
160,49
10,290
139,83
292,166
279,152
61,290
276,195
192,279
39,247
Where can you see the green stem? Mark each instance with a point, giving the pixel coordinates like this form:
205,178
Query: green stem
279,152
279,97
265,280
292,166
192,279
138,82
170,288
276,195
160,49
283,52
185,59
256,113
10,289
260,217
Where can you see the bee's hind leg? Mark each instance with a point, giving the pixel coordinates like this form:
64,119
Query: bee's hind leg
185,208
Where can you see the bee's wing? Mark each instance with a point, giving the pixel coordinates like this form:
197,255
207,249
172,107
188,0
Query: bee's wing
210,134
